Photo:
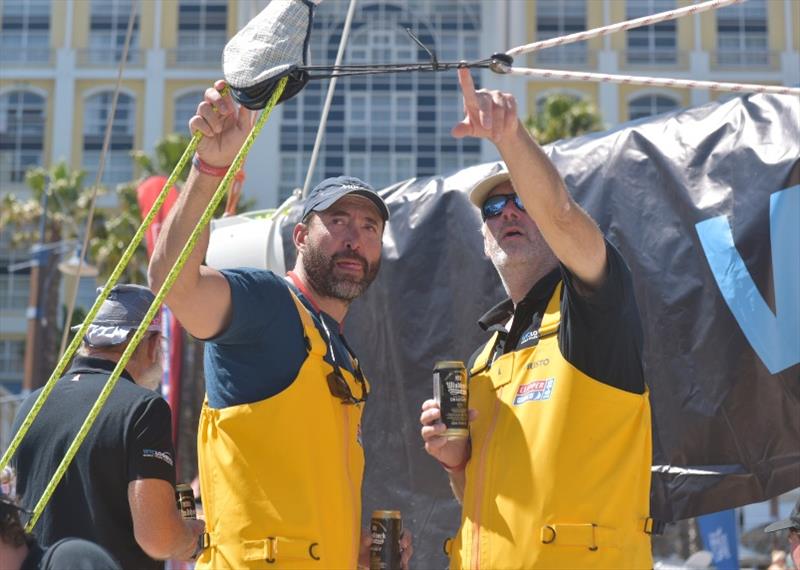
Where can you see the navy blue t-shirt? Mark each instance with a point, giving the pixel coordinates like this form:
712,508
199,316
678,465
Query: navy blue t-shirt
263,348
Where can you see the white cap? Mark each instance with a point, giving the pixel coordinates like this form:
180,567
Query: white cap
498,175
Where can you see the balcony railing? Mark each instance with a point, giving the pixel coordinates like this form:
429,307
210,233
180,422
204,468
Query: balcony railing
28,57
655,59
741,58
101,57
206,57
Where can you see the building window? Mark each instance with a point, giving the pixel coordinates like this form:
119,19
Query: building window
12,359
742,34
385,128
651,45
25,34
202,31
14,291
649,105
119,165
108,26
22,120
558,18
185,109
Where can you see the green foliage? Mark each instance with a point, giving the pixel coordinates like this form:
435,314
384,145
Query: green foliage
112,235
167,154
562,117
67,206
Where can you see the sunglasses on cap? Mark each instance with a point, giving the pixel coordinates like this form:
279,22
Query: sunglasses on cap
493,206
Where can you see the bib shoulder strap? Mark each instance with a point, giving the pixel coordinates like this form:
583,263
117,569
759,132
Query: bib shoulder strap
552,315
479,360
316,344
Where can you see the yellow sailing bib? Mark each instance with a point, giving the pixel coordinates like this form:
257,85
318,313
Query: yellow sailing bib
559,475
281,478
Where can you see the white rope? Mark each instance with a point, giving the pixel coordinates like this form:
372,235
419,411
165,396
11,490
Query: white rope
351,10
651,81
621,26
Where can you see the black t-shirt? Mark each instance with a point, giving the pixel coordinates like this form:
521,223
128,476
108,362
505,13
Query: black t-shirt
131,439
600,334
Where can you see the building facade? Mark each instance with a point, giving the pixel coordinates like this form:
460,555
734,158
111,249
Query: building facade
59,62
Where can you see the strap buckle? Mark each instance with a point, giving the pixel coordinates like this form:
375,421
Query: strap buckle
272,550
654,527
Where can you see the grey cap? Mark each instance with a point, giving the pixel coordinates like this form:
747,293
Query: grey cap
327,192
123,311
792,522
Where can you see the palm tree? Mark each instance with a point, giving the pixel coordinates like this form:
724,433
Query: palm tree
561,117
54,212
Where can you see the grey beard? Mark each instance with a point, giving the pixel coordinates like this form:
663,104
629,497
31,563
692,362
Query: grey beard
320,271
151,378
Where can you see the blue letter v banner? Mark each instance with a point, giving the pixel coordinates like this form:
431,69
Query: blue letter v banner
774,337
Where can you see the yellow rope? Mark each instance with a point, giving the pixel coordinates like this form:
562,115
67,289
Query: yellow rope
112,280
162,292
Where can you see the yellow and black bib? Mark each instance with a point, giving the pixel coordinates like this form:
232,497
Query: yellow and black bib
559,475
281,478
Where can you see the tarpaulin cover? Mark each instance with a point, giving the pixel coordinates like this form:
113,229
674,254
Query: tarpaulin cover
704,205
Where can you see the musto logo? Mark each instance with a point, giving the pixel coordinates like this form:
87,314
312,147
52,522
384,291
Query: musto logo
536,390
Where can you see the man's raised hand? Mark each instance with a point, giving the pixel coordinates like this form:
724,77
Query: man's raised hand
488,114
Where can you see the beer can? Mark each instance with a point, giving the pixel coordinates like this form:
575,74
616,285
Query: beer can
184,496
450,393
386,528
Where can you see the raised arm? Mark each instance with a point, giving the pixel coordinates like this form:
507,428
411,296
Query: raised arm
200,297
569,231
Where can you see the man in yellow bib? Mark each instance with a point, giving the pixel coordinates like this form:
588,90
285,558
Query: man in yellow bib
556,472
279,441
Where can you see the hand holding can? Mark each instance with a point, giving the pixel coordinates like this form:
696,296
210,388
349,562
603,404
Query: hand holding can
386,528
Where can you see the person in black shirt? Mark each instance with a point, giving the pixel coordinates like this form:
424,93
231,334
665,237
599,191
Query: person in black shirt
119,490
562,367
21,551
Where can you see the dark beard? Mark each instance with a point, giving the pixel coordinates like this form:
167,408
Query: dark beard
320,268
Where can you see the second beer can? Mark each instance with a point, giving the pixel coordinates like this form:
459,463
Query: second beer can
184,496
386,528
450,392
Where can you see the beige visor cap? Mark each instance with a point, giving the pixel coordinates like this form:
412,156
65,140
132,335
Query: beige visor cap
481,190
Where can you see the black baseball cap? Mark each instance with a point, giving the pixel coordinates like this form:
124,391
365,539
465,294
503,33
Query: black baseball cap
327,192
792,522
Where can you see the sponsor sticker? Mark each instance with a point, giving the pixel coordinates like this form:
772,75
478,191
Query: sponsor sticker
164,456
535,391
531,337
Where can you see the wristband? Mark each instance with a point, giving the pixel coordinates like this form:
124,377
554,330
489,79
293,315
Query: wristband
206,168
455,468
202,544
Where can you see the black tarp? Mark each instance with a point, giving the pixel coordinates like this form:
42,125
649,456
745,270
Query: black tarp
727,430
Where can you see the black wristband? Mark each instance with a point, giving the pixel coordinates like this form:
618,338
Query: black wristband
202,544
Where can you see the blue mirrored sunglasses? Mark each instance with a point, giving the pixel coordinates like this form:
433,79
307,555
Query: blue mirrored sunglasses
494,205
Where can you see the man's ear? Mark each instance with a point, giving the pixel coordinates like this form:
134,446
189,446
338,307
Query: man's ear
153,346
484,231
300,233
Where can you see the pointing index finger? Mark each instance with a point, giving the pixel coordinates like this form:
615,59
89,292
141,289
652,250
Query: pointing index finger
468,89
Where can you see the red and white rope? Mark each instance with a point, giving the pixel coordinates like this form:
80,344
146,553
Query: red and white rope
652,81
621,26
